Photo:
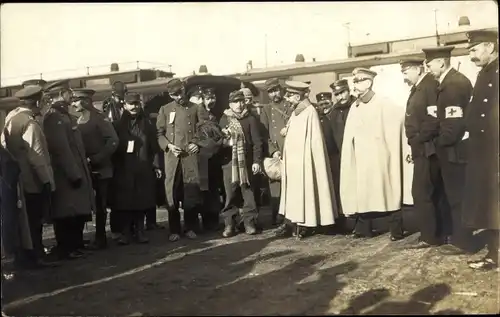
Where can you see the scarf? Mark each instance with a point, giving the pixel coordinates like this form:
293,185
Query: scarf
239,167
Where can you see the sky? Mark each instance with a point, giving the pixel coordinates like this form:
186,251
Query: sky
49,37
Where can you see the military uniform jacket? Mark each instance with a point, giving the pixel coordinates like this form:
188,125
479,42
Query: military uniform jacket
113,108
418,123
454,94
338,118
326,121
176,124
274,118
482,175
69,162
100,141
23,137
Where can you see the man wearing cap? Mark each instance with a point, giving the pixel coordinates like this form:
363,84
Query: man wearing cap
23,137
100,142
371,168
42,107
241,158
480,202
112,106
136,168
454,93
176,130
274,117
324,106
307,193
427,188
73,199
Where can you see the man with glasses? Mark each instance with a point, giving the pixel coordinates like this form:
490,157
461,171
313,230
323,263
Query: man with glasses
371,168
274,117
176,132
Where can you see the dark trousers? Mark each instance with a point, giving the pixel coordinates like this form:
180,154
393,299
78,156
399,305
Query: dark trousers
453,176
191,220
429,198
275,193
239,199
364,223
69,233
151,216
131,219
114,222
37,206
101,190
493,244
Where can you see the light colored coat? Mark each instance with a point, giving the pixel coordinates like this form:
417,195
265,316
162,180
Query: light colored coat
372,168
307,192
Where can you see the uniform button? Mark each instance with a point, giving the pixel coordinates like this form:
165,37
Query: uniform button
482,115
189,123
485,100
490,85
189,131
482,130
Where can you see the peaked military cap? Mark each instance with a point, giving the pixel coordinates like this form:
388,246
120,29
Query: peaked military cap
481,36
412,61
119,85
322,96
57,86
209,91
361,72
296,86
174,85
339,86
195,91
83,93
437,52
132,97
247,93
30,92
34,82
272,83
236,96
308,82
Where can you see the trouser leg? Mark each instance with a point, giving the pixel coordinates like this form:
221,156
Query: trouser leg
35,209
233,198
396,224
363,226
275,193
63,233
151,216
248,211
493,245
101,189
114,221
174,216
191,220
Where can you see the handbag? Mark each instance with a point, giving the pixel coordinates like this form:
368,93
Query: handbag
272,168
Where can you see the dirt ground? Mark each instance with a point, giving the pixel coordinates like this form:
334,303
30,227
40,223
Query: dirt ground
256,275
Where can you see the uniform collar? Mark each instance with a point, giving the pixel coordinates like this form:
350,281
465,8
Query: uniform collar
367,96
420,79
302,106
443,75
491,66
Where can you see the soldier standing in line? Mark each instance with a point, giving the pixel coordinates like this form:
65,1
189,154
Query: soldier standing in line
420,129
100,141
176,131
73,200
480,204
454,93
274,117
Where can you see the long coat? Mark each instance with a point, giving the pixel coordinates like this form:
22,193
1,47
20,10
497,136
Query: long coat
307,190
481,195
135,160
69,163
177,124
371,169
274,118
100,141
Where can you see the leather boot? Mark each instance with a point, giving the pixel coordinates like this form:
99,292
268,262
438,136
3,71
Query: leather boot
250,228
140,233
229,229
126,235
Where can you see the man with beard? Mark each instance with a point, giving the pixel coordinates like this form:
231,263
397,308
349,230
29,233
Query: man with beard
112,107
100,141
307,197
427,187
211,184
73,199
176,129
274,117
371,168
454,93
480,204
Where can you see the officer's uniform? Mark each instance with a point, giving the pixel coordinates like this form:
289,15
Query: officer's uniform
274,117
113,105
176,124
454,93
480,202
100,141
427,186
43,107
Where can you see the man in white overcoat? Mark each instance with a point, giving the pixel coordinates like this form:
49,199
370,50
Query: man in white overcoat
307,192
371,177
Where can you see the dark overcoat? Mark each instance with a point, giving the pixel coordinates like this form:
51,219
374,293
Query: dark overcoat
135,160
176,124
480,201
69,163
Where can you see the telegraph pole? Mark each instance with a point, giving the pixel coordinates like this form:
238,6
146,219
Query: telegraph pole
348,28
265,48
436,27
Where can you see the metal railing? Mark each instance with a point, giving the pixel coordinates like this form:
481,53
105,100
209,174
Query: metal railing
84,71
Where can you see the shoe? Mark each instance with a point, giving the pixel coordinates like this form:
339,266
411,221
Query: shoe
115,236
397,237
450,249
228,231
190,234
484,264
174,237
141,237
283,231
250,228
124,240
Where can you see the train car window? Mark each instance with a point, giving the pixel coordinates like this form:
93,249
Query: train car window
97,82
4,92
76,83
125,78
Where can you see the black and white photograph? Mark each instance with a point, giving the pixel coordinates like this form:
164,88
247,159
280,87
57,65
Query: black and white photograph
249,158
